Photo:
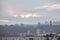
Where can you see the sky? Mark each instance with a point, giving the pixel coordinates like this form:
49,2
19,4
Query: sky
29,11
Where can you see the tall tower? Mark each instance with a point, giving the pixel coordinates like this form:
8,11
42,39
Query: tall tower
51,27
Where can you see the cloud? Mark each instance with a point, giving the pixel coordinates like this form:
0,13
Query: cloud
9,11
27,11
48,7
30,15
4,21
8,22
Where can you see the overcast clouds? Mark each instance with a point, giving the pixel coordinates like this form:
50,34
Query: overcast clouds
29,11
